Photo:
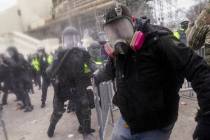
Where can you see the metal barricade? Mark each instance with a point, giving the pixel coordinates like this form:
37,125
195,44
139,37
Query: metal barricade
104,106
187,91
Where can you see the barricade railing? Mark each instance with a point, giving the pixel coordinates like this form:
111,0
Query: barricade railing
104,106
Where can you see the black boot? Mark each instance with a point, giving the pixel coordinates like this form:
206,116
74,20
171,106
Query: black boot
20,106
86,129
51,130
80,130
53,121
28,108
89,131
43,105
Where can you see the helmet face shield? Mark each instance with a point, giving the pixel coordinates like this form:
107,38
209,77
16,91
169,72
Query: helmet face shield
71,40
120,29
11,52
95,51
102,37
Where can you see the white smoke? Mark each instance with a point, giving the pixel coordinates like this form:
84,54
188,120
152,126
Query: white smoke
87,39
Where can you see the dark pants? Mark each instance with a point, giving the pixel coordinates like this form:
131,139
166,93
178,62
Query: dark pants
30,86
4,97
80,99
5,92
37,80
45,85
83,113
58,110
20,87
22,94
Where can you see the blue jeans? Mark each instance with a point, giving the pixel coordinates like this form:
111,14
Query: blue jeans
120,132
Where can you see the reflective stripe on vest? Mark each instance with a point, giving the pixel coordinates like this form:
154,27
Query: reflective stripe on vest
50,59
36,64
86,69
98,62
177,35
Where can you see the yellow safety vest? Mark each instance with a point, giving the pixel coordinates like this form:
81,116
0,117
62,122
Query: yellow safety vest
50,59
177,35
36,64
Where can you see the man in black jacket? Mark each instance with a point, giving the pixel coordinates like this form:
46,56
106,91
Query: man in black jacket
149,76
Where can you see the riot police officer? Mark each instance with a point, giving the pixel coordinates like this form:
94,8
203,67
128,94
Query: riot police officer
43,60
19,77
71,81
95,52
35,63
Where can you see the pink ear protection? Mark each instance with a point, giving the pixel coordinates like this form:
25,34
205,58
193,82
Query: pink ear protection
137,41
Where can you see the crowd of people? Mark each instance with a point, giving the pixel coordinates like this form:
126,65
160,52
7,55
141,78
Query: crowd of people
147,62
68,70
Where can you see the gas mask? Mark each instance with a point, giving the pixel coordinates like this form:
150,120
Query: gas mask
122,37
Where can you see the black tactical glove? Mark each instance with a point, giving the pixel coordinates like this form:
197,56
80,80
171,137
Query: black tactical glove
202,131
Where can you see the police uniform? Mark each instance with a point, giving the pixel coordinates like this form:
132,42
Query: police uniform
19,77
180,34
36,71
44,61
70,71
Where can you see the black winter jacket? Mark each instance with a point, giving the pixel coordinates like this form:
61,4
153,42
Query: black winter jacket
148,82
